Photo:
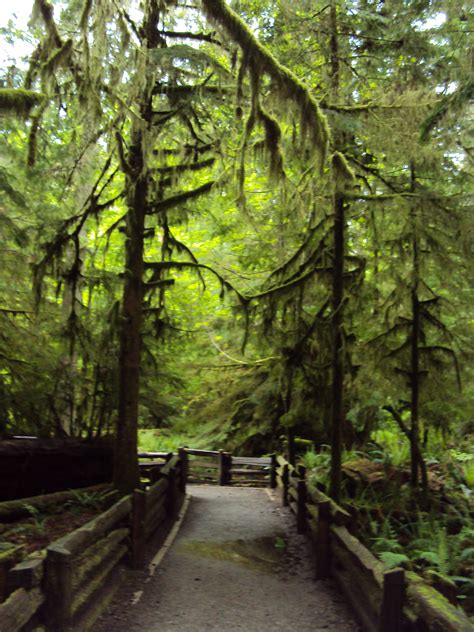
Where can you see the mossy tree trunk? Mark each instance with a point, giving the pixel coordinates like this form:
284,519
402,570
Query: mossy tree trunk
337,319
126,474
126,470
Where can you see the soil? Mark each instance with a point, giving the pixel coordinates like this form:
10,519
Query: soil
36,533
237,565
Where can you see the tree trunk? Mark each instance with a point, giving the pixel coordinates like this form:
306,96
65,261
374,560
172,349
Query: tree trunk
337,348
337,291
126,472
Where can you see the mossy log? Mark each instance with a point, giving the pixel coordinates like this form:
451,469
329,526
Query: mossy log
357,554
154,520
27,574
81,597
263,461
156,492
18,101
84,536
369,592
352,592
18,609
94,556
433,609
86,619
173,463
8,559
211,465
339,515
12,510
293,493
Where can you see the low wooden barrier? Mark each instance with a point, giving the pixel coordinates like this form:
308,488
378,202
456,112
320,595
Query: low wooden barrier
71,587
223,468
383,600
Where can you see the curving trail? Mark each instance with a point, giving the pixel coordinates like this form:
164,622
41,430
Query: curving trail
236,565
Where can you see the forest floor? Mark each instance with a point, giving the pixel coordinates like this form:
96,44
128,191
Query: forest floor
237,564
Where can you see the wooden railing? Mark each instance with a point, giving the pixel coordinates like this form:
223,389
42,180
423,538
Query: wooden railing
214,466
69,588
384,600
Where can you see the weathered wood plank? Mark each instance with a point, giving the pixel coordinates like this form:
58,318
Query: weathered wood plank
435,610
86,619
250,472
90,532
27,574
293,493
155,455
203,452
58,566
208,465
361,557
95,555
339,515
155,521
156,492
82,596
171,465
264,461
391,613
18,609
351,591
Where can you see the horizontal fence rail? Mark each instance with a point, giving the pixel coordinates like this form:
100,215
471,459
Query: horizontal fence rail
70,588
384,600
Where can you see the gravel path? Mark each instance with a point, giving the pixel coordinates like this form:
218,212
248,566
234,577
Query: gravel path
236,565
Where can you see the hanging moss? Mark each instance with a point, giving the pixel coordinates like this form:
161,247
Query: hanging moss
314,124
18,101
60,57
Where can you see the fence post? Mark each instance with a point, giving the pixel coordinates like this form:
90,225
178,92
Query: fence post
301,503
285,480
59,589
322,539
138,528
183,455
171,495
391,613
273,473
225,464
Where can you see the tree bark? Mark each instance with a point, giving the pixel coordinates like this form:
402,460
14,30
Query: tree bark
337,348
337,291
126,473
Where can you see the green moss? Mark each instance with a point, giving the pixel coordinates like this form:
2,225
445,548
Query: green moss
18,101
433,606
263,554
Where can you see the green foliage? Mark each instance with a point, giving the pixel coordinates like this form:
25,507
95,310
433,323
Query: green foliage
86,500
152,440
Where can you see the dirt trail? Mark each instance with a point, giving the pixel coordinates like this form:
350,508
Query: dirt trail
236,565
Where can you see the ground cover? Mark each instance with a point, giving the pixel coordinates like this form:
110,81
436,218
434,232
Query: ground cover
32,534
431,535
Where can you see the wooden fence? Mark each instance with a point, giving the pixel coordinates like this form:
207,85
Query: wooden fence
383,600
213,466
70,588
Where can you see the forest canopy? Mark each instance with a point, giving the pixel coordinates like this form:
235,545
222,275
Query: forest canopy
245,221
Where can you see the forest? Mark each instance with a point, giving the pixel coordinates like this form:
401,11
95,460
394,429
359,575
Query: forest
247,225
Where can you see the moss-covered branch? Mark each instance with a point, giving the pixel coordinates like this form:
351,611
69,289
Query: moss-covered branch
260,60
175,200
18,101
